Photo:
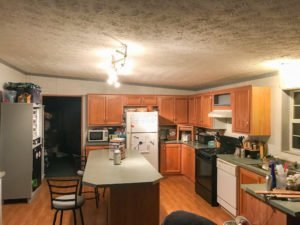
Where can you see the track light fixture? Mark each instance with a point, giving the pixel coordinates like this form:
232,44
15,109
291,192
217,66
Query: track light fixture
118,60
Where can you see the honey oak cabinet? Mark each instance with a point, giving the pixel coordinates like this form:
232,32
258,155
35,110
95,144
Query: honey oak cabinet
206,107
137,100
89,148
181,110
260,213
192,110
251,110
173,110
246,177
104,109
170,158
96,109
188,162
166,110
203,104
257,211
198,113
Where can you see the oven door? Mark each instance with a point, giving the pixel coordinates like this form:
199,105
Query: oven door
206,178
204,171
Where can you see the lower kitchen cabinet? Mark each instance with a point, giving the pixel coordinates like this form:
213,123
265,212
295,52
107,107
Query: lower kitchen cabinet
188,162
89,148
170,159
247,177
260,213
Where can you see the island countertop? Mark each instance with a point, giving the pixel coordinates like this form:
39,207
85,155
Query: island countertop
134,169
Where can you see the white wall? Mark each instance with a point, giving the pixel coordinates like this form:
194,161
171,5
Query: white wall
61,86
8,74
275,140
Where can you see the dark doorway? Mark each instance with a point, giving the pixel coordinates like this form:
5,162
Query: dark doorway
62,126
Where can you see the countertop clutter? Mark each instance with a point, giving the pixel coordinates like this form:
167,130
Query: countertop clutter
288,207
291,208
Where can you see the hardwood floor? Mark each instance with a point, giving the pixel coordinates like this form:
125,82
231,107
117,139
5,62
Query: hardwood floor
176,193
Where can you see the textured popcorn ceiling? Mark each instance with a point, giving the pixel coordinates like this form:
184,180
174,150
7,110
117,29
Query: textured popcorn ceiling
183,43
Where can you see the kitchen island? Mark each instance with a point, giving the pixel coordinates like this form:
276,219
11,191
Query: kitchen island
134,187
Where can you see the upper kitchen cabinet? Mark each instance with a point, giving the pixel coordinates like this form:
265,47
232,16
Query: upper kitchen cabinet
192,110
173,110
181,110
251,110
166,110
137,100
96,109
104,110
206,107
203,104
222,100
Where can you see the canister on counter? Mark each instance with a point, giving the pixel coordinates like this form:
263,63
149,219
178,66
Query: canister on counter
117,157
268,182
242,153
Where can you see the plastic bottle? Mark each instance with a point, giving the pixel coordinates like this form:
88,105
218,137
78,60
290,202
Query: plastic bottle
273,175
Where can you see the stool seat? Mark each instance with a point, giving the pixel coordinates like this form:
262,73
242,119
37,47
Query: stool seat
181,217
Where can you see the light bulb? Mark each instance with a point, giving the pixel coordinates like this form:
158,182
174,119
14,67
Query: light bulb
110,81
117,84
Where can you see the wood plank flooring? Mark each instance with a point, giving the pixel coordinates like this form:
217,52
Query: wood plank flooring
176,193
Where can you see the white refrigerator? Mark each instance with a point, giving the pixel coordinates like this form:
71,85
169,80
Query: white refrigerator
142,134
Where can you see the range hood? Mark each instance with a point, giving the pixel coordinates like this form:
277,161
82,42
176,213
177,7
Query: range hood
220,114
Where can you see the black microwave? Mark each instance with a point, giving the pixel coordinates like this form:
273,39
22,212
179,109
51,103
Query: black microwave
205,138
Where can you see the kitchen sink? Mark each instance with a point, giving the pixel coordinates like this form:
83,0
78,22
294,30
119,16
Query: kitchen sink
291,170
260,166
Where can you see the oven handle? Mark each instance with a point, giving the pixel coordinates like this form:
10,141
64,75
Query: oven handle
200,156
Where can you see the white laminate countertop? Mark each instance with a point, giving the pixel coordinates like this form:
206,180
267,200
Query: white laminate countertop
135,169
2,174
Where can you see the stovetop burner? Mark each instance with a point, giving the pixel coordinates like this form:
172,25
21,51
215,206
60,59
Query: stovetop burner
214,151
228,145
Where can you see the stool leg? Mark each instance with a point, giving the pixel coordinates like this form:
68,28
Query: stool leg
55,215
74,215
81,216
96,196
61,216
104,192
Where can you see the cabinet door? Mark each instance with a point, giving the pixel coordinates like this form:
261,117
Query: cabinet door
260,213
241,109
184,160
206,105
149,100
166,110
181,113
192,111
188,162
114,109
133,100
172,159
198,110
96,109
247,177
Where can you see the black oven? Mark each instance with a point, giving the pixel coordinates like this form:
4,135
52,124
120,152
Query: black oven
206,169
206,176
